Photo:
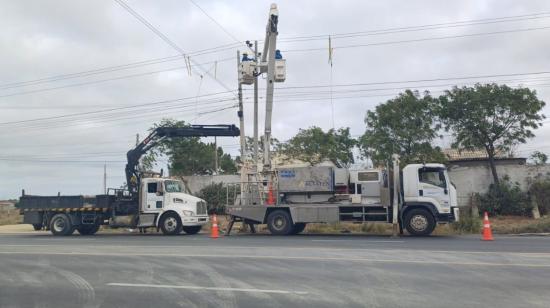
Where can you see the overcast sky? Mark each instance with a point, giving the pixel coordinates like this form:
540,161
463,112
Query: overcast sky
47,38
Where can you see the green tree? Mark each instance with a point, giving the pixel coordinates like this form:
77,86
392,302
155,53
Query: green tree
538,158
217,196
189,156
490,117
404,125
274,142
313,145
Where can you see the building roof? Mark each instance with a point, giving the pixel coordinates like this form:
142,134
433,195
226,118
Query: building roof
466,155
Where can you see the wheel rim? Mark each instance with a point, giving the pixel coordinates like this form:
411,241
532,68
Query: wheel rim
419,222
279,223
59,225
170,224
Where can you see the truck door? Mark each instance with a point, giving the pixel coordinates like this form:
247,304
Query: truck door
433,184
155,196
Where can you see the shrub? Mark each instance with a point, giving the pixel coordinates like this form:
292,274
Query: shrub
217,197
505,199
468,223
540,192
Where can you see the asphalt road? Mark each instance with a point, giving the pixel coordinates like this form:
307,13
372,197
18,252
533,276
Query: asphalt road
118,270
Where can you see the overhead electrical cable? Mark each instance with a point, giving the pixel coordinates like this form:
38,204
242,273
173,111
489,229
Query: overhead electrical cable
169,42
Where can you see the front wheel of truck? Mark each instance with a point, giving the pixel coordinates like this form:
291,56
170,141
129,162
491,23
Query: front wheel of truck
170,224
192,229
61,225
419,222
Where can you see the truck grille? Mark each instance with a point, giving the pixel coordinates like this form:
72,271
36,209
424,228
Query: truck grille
201,208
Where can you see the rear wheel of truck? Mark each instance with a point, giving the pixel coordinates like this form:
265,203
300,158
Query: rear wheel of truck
88,229
298,227
419,222
280,223
192,229
37,227
170,224
61,225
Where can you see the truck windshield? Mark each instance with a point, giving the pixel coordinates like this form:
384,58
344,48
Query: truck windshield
173,186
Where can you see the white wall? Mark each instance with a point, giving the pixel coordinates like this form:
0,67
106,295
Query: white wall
476,177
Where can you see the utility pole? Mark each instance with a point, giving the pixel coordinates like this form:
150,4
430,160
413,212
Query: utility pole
215,155
240,112
105,178
256,154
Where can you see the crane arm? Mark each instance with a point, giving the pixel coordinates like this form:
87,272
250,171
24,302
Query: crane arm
158,134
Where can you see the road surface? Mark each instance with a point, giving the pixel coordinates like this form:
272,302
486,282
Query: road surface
132,270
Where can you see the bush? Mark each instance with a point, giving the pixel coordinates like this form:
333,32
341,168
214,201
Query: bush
468,223
540,192
216,196
505,199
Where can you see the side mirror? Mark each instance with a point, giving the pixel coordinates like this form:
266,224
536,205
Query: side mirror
446,191
160,190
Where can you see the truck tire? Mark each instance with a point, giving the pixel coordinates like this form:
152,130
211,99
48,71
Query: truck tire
280,223
298,227
87,229
192,229
37,227
61,225
170,224
419,222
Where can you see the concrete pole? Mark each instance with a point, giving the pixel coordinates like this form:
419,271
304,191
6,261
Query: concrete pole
396,193
105,178
215,155
244,167
256,154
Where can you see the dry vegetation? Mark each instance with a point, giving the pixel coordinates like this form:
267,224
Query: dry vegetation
9,216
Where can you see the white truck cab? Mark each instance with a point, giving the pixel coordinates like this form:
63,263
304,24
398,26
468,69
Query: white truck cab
165,205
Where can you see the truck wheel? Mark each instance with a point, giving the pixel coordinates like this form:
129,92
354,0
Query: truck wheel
419,222
37,227
61,225
279,223
170,224
192,229
87,229
298,227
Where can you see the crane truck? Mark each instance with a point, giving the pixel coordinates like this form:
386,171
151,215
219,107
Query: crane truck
148,201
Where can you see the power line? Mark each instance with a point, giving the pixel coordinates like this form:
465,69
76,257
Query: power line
168,41
106,80
233,45
419,28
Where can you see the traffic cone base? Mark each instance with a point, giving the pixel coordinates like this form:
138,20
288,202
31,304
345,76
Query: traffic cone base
214,232
487,233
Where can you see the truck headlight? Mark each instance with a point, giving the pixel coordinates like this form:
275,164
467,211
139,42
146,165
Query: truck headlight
188,213
178,200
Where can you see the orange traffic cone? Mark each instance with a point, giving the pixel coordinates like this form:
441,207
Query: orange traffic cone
214,232
487,233
270,197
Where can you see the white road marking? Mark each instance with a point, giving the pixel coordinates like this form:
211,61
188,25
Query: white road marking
358,241
300,258
164,286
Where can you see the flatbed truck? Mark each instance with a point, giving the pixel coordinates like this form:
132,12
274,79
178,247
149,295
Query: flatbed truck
148,201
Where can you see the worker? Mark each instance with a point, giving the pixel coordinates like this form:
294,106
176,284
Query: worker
278,55
246,58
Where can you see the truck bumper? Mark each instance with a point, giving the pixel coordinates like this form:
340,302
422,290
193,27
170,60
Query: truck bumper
194,220
453,216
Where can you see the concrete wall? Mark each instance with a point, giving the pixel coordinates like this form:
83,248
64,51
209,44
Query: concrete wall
475,176
196,182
